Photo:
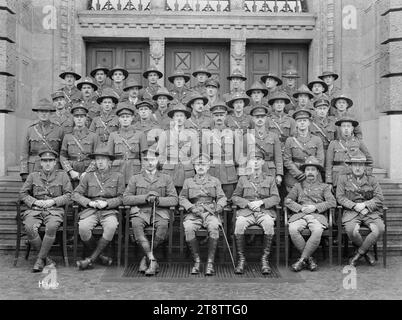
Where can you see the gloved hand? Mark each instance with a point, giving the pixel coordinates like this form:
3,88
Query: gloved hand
196,210
24,177
152,199
151,196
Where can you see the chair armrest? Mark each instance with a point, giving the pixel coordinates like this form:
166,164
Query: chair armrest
331,216
285,215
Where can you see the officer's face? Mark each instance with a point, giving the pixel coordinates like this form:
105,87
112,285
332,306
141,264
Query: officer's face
279,105
329,80
290,82
100,76
256,163
346,129
211,91
125,120
144,113
179,118
219,118
162,102
70,79
202,77
79,120
87,90
271,83
107,105
317,88
260,120
201,168
43,115
311,173
257,95
303,99
59,103
238,105
153,77
179,82
322,111
236,83
102,162
133,92
150,162
302,124
358,169
341,105
48,164
198,105
118,76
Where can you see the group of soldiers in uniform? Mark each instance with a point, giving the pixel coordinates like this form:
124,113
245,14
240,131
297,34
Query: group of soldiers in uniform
106,145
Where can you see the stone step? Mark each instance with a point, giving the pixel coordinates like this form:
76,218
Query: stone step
380,173
13,171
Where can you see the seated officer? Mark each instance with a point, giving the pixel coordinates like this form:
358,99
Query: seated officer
361,196
256,195
100,194
308,200
203,199
144,190
45,193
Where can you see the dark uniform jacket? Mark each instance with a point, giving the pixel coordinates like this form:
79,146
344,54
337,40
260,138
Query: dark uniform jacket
324,129
283,125
70,94
243,122
65,121
104,125
162,119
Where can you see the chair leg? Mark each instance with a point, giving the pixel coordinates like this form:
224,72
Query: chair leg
64,244
384,248
375,252
339,247
28,249
278,243
126,243
75,244
286,249
346,248
324,253
234,248
17,247
330,246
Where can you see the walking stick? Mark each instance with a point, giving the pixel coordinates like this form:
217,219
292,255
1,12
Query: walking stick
153,228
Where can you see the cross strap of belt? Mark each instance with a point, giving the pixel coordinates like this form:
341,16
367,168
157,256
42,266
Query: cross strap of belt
320,130
43,138
198,127
278,126
67,97
79,144
236,123
300,146
99,183
104,125
125,142
254,187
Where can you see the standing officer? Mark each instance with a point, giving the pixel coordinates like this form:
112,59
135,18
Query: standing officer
147,123
177,147
299,148
213,95
323,125
341,106
256,195
180,92
339,150
361,197
257,94
131,96
107,122
318,88
162,99
143,191
238,120
308,200
100,194
237,80
303,97
118,74
70,90
329,78
77,146
290,86
272,82
100,75
41,135
203,199
152,75
89,97
45,192
62,117
202,75
128,145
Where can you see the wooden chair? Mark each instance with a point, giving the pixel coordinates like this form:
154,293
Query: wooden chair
364,231
99,231
61,234
148,232
204,233
306,232
257,230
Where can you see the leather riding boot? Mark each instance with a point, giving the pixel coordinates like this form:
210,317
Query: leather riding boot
36,243
265,268
47,243
369,258
146,248
353,261
241,259
212,244
299,265
143,264
39,265
153,264
195,251
312,265
88,262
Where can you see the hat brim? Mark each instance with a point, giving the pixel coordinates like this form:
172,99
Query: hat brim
296,94
100,99
151,107
76,75
97,154
264,91
93,85
311,84
172,112
125,73
199,71
354,122
272,100
171,78
336,76
279,80
349,101
125,89
318,166
93,72
355,161
236,77
124,111
156,96
252,113
291,76
44,110
191,101
146,73
230,102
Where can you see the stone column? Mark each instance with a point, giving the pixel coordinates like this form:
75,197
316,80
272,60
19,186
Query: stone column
237,5
238,55
157,55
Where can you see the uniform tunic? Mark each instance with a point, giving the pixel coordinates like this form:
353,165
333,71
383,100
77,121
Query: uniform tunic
65,121
104,125
200,88
200,125
148,92
243,122
357,131
151,130
162,119
181,94
324,129
283,125
70,94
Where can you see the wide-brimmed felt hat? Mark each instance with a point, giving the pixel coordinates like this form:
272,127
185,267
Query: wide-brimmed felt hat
44,105
79,108
311,84
118,68
257,85
58,94
238,96
303,89
178,107
70,71
273,76
347,118
312,161
152,69
48,154
237,74
302,114
196,96
356,157
218,107
132,83
87,80
99,68
321,102
202,69
178,74
259,110
108,93
162,92
291,73
328,73
342,97
202,158
101,151
145,103
124,108
279,96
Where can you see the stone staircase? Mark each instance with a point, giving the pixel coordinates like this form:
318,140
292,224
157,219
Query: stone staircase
11,184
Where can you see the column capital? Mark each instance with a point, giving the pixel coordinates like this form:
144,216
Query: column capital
157,54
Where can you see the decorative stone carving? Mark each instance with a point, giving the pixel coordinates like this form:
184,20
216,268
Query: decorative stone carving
238,55
157,50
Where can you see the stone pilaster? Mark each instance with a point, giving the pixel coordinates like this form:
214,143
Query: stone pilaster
238,55
157,55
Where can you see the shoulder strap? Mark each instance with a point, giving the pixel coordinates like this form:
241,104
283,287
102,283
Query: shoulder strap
43,138
278,126
78,143
99,183
320,130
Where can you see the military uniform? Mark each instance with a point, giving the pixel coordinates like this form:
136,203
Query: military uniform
234,122
161,116
324,129
94,109
102,85
200,88
65,121
103,126
150,129
181,94
283,125
333,91
117,88
357,131
39,185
